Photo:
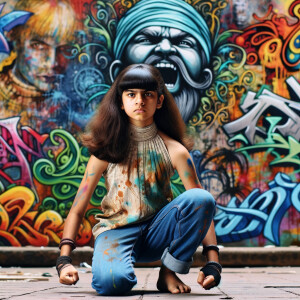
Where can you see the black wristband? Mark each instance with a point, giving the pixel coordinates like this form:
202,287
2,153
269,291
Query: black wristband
213,268
62,261
210,247
216,264
67,241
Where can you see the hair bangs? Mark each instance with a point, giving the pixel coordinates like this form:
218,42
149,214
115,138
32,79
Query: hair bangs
138,77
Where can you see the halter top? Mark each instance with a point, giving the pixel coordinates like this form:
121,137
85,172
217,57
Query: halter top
136,191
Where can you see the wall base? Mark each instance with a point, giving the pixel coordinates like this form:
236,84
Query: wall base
229,256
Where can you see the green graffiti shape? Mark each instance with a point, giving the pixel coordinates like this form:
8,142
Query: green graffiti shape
64,171
273,142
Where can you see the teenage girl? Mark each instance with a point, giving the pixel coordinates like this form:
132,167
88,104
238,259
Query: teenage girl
137,141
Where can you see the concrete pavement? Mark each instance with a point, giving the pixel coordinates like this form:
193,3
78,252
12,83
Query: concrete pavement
237,283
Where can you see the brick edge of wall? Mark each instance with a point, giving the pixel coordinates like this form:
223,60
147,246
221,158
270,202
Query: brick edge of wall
229,256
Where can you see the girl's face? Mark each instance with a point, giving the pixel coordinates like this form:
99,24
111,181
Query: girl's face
140,105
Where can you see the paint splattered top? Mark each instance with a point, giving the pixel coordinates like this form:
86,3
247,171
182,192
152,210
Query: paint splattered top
137,192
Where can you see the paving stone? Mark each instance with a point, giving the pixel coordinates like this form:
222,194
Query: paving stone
237,283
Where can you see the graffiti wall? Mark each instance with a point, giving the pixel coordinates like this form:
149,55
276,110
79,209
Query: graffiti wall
232,67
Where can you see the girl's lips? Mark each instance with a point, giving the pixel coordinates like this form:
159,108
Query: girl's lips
140,110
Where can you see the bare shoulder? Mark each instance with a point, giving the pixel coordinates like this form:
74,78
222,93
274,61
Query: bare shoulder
175,149
97,164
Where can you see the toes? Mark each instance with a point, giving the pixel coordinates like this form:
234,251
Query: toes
184,288
187,289
175,291
181,288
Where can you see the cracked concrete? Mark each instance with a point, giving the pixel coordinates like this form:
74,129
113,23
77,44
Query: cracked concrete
237,283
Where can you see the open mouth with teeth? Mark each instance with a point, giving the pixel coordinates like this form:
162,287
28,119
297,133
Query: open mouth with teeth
170,74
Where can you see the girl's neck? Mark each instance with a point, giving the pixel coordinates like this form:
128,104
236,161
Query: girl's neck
140,134
142,123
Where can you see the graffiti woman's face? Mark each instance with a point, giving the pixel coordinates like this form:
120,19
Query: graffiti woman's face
39,61
156,45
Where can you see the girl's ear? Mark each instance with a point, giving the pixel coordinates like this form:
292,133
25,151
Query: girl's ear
160,101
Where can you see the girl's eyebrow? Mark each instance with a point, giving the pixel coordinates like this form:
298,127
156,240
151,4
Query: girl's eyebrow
136,91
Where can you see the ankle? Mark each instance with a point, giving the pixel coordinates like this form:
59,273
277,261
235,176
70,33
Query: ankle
165,270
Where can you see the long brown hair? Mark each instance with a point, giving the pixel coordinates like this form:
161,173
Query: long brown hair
107,136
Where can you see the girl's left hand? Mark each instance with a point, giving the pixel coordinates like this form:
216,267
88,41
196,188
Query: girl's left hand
207,282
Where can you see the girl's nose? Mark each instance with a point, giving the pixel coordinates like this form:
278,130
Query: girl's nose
139,99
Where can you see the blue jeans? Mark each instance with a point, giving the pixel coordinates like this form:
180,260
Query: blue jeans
172,235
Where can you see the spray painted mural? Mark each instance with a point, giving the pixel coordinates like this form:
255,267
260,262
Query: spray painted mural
232,66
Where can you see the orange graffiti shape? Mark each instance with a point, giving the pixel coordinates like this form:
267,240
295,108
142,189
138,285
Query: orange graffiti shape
19,226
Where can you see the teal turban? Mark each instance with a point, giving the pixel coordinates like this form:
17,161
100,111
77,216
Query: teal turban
165,13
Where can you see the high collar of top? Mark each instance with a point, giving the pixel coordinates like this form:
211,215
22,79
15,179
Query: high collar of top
140,134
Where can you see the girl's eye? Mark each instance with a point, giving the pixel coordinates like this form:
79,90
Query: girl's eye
130,95
148,94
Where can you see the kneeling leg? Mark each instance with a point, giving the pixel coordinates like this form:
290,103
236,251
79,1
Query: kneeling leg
113,261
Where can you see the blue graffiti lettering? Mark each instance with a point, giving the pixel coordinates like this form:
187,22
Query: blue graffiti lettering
258,212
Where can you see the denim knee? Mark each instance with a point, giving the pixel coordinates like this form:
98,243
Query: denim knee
111,283
199,198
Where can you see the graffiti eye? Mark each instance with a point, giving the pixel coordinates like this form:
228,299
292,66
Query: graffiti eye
142,39
185,43
37,46
65,50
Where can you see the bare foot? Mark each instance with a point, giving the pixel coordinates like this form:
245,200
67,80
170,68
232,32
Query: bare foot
170,283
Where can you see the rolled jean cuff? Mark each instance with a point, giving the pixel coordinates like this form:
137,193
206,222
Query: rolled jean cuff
175,265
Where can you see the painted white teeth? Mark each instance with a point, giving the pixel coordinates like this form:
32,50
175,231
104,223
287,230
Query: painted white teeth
166,65
169,85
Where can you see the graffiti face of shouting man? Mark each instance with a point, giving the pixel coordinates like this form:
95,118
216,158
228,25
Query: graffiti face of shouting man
181,50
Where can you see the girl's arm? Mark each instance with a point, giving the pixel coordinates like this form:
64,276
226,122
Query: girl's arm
183,163
92,175
186,170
